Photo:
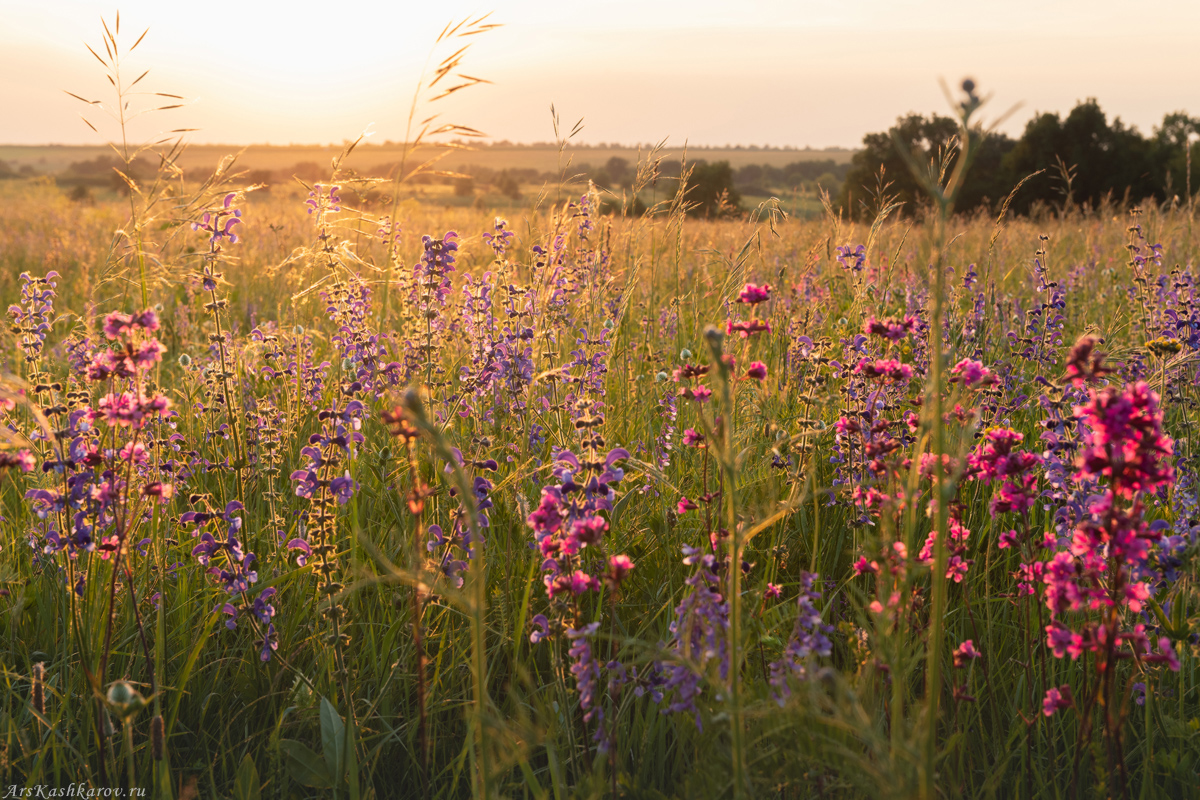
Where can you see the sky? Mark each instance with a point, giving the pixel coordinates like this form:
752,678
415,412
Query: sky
816,73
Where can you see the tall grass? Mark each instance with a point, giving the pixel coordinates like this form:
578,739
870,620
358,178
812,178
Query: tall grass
752,649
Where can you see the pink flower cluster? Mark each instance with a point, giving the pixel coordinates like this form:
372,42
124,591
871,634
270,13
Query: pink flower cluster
997,458
973,374
1126,443
885,369
891,329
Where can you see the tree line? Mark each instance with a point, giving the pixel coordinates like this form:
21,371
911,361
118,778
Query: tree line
1080,160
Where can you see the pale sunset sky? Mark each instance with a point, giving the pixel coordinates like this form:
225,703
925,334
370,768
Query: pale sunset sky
804,72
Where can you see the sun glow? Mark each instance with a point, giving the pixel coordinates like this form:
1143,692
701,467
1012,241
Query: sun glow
817,73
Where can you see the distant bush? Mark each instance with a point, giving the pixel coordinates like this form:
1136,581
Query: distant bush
710,191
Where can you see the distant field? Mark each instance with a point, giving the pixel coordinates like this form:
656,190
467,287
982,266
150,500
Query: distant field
56,158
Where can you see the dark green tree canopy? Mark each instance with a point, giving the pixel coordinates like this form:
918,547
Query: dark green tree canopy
1084,159
711,191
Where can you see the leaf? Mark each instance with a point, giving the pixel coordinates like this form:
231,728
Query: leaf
246,785
304,766
333,740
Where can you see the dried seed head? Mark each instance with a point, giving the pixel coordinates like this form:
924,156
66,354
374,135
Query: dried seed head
39,692
157,737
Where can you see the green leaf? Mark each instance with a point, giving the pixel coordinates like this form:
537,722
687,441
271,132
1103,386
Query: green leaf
333,740
246,785
304,766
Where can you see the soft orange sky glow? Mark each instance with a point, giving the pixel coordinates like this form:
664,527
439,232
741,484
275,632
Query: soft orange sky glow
798,72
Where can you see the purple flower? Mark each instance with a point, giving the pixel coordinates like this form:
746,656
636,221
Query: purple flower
541,628
303,547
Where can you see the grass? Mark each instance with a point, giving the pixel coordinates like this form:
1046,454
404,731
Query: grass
498,710
530,518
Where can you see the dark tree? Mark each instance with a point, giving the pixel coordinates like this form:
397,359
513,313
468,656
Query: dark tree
710,191
1172,142
1086,160
879,171
619,172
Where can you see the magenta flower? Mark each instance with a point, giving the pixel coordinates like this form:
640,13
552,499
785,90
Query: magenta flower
746,329
588,530
773,591
23,460
890,329
753,295
1056,699
864,567
1126,442
691,438
965,653
757,371
619,567
884,368
684,505
1084,362
973,374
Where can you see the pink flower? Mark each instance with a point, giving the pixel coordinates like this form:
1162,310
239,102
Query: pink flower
23,460
691,438
618,569
757,371
973,374
884,368
1126,443
1056,699
1167,654
772,592
582,582
684,505
1008,539
956,568
1063,641
1136,594
754,295
1084,362
965,652
589,530
862,567
891,329
128,410
747,329
700,394
149,353
117,325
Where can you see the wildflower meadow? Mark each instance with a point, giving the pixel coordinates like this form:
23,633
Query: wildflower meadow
313,490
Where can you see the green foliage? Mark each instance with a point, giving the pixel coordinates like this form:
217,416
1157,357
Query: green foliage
1084,159
710,191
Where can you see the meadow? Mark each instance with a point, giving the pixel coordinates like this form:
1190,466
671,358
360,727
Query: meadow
335,493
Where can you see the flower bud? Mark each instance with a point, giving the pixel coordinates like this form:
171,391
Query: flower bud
125,700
